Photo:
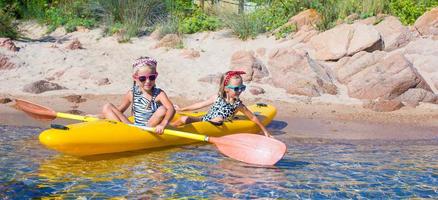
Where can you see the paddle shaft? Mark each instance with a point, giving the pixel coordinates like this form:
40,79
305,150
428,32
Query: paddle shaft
76,117
193,136
166,131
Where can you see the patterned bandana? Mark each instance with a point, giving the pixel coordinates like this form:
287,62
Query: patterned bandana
230,74
144,61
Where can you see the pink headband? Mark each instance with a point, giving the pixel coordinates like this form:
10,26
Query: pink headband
144,61
230,74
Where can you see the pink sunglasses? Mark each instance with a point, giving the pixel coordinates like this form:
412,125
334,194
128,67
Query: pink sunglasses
151,77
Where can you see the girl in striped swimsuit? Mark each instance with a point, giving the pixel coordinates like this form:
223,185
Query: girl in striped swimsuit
150,105
224,105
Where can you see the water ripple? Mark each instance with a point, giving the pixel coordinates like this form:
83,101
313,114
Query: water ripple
312,169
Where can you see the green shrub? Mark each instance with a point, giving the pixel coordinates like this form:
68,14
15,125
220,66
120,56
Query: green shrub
277,13
409,10
135,15
34,9
71,24
55,18
7,26
180,8
271,18
406,10
334,10
245,26
169,26
199,22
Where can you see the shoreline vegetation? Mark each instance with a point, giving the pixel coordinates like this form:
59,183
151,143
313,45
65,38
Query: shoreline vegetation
133,18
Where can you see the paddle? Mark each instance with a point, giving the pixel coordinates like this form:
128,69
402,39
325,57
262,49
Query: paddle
249,148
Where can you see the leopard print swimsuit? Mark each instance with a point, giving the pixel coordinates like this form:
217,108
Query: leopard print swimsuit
221,108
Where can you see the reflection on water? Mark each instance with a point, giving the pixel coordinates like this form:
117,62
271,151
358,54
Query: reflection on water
311,169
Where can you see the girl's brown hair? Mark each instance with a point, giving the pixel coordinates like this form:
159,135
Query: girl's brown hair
222,85
221,92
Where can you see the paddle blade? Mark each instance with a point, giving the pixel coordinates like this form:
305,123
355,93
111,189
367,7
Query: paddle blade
250,148
34,110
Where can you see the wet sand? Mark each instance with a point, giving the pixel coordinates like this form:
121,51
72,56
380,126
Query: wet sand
293,121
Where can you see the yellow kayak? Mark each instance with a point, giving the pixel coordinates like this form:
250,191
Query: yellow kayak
104,136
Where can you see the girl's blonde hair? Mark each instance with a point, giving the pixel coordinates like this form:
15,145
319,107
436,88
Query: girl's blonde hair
143,62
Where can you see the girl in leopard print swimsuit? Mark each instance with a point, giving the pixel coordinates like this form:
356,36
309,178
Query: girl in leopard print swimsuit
224,105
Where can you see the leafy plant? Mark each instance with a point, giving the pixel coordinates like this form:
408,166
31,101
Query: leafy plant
7,26
409,10
34,9
245,26
135,15
199,22
169,26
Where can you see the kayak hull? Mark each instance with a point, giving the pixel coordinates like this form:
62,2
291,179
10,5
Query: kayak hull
104,136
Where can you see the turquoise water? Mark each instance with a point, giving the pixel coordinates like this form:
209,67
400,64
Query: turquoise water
312,169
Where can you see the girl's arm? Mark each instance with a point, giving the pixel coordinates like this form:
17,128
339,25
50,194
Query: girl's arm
253,118
170,111
122,107
125,102
199,105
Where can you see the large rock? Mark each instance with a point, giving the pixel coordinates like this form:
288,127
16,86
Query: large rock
305,18
394,34
423,53
75,44
8,44
169,41
5,63
304,34
247,62
345,40
415,95
365,38
309,17
347,67
296,72
390,77
261,52
427,24
156,34
41,86
382,105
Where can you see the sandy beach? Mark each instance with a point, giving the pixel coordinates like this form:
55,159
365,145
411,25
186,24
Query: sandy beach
294,120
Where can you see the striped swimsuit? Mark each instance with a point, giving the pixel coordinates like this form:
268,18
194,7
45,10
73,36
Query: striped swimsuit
144,108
